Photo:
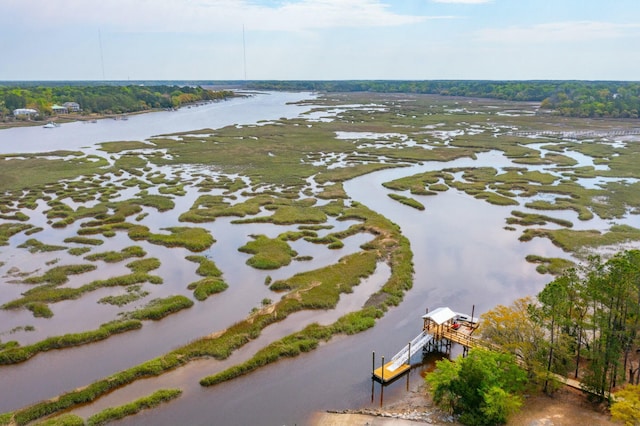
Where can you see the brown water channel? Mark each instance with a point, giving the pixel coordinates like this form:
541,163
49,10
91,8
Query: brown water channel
463,257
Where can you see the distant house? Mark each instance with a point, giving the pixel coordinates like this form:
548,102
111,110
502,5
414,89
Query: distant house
72,106
58,109
28,112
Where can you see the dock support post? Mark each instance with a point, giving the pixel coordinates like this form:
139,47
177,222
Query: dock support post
473,308
409,356
373,362
382,370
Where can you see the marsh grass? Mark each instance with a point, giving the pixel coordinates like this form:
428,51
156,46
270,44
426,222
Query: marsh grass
418,182
574,241
289,215
46,170
120,146
51,293
35,246
160,308
159,202
63,420
295,344
528,219
78,251
39,309
118,256
60,274
134,292
19,216
193,239
111,414
550,265
142,266
211,284
84,240
206,268
206,287
268,253
220,347
177,189
23,353
326,283
68,216
407,201
131,163
334,191
8,230
389,245
120,212
496,199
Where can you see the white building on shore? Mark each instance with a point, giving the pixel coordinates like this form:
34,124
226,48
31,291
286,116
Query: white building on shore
28,112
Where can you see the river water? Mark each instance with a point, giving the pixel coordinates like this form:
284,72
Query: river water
464,259
76,135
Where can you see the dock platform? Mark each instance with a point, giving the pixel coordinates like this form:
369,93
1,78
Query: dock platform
440,328
386,374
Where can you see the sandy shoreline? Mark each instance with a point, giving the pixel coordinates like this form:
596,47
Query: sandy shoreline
415,407
335,419
568,407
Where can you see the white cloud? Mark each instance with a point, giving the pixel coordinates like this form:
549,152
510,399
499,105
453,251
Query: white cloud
573,31
205,15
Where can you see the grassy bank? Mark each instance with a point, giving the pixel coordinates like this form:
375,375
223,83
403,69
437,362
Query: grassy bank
23,353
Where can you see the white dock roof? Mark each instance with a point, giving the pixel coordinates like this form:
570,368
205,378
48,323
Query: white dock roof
440,315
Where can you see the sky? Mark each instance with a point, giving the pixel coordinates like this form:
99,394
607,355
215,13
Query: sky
319,39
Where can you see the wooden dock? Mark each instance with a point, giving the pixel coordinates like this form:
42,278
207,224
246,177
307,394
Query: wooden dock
440,328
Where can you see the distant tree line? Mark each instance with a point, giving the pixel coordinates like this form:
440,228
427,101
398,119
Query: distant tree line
568,98
111,99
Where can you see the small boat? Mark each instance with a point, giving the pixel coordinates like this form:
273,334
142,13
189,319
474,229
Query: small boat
51,125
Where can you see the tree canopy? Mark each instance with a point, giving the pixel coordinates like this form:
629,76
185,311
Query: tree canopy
484,388
585,322
104,98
